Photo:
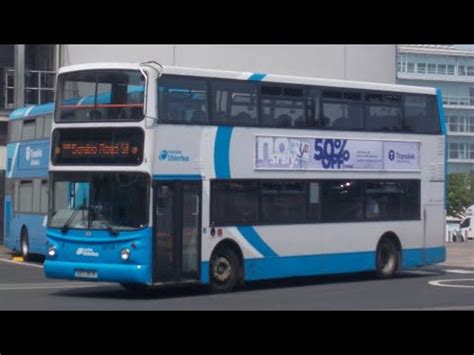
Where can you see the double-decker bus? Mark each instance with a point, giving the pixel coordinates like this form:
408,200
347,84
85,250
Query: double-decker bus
218,177
26,180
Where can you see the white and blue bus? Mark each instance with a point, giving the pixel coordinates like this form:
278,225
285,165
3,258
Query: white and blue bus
26,182
219,177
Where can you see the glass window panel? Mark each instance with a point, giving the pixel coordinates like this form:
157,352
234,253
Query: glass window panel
44,196
14,130
342,116
342,201
234,103
182,100
421,114
234,202
283,202
29,129
26,196
39,127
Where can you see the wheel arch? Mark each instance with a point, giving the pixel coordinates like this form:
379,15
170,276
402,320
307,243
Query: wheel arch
233,245
392,236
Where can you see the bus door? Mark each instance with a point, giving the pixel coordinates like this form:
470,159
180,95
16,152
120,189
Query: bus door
177,230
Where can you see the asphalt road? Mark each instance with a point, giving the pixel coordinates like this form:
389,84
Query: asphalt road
23,287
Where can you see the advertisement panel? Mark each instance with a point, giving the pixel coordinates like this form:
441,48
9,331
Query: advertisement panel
295,153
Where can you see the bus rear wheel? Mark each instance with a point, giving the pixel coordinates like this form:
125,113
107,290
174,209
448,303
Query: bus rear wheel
224,270
25,245
386,258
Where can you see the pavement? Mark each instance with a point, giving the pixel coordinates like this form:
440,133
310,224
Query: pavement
448,286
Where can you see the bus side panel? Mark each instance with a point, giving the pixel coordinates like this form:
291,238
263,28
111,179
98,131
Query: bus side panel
36,232
8,237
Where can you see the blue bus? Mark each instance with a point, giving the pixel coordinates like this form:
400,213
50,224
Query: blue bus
26,179
218,177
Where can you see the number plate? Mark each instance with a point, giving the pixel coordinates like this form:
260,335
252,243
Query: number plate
86,274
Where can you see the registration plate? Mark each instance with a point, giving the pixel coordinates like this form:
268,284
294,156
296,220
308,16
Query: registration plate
86,274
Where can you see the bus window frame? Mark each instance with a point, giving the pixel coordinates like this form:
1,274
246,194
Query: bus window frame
59,91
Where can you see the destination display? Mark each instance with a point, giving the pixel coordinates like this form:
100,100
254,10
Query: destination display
294,153
98,146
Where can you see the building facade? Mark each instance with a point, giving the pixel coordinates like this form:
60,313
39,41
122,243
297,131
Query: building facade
451,70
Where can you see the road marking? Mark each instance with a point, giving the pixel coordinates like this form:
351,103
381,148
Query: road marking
443,282
458,271
20,263
423,272
38,286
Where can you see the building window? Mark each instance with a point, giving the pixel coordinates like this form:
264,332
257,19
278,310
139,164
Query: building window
450,69
453,123
453,151
421,68
431,68
470,124
470,70
442,69
461,70
410,67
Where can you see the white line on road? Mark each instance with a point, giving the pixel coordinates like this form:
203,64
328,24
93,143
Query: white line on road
458,271
20,263
442,283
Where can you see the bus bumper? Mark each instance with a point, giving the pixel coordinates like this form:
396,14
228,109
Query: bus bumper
98,272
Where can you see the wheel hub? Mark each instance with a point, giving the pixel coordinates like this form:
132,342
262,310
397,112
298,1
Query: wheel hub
222,269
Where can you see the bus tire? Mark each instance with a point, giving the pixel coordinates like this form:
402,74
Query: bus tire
386,258
25,244
224,270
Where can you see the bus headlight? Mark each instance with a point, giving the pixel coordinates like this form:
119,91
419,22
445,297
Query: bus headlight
52,251
125,254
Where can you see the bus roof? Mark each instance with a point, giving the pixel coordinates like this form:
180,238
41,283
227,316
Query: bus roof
225,74
31,111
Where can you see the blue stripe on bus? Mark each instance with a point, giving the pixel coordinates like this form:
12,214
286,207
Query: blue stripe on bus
222,171
222,152
442,122
257,76
251,235
187,177
325,264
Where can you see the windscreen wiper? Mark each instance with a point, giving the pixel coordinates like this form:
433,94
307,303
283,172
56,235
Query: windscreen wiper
65,227
110,228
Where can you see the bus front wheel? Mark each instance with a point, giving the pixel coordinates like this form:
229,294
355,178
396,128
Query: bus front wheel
386,258
25,245
224,270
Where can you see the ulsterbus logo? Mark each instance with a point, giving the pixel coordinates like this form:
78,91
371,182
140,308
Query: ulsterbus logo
173,155
163,155
86,252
